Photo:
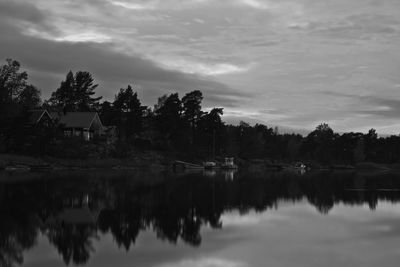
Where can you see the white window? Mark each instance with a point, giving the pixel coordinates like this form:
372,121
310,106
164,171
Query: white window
86,135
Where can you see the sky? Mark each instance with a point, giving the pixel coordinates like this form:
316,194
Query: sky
291,63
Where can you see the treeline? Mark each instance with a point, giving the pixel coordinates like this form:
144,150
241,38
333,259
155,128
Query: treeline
174,124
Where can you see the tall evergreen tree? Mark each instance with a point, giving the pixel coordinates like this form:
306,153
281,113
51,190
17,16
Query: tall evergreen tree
192,110
168,113
130,110
210,131
84,91
75,93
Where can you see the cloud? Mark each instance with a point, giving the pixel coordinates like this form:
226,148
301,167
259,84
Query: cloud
204,68
376,106
255,4
14,10
364,26
382,108
134,6
73,37
111,69
249,56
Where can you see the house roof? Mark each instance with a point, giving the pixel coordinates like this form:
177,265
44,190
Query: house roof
36,115
76,119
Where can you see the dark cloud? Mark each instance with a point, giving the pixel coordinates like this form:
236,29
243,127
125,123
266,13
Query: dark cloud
228,100
384,108
363,26
376,106
13,10
340,94
112,69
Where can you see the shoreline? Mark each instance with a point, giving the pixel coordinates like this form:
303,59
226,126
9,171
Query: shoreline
30,163
155,161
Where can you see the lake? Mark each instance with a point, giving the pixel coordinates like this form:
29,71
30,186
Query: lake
200,219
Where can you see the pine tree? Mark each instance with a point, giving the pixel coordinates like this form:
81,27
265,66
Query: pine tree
75,93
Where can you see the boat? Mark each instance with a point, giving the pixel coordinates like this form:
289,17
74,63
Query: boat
300,166
228,164
186,165
209,165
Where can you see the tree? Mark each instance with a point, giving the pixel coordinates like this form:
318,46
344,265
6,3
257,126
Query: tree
192,110
168,116
29,97
251,139
84,90
319,144
130,111
63,97
107,113
211,129
75,93
371,141
12,81
169,111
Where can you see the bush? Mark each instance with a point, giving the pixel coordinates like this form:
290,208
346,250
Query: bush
73,147
121,150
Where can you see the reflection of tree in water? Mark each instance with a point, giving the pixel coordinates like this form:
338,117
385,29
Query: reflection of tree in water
16,235
18,228
125,227
72,241
175,208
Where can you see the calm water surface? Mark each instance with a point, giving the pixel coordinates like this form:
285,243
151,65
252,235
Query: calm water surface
207,219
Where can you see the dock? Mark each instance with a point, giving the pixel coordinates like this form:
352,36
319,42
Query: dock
182,165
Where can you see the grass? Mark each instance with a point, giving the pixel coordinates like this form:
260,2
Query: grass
147,159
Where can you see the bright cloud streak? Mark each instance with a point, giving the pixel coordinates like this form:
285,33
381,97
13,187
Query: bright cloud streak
202,68
134,6
255,4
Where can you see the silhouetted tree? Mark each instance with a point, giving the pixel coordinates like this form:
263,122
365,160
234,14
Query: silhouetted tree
319,144
84,90
211,131
75,93
191,103
169,121
371,142
29,98
64,97
107,113
129,112
12,81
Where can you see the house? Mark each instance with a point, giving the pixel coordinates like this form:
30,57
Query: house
39,117
83,124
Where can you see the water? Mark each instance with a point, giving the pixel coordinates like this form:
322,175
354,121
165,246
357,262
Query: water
200,219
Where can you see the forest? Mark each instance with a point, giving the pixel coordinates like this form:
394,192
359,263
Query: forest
175,125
